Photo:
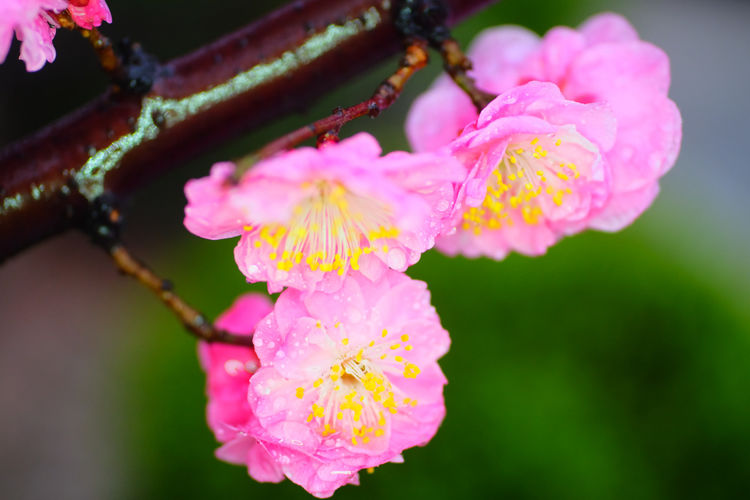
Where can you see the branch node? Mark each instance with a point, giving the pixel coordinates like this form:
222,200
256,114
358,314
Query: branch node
425,19
103,221
137,69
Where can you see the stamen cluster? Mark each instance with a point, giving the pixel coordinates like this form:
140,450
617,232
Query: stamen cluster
309,216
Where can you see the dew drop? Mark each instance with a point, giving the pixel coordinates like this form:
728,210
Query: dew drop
396,258
234,366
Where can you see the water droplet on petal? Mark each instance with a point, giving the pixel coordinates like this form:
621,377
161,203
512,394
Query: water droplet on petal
234,367
396,259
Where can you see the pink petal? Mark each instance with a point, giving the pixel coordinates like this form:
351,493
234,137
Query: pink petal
498,54
90,15
208,213
606,28
438,116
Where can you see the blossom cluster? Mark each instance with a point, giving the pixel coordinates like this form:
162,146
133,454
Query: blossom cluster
34,24
343,375
578,137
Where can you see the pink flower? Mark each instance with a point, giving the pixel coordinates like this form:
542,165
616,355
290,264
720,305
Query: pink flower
348,380
228,369
536,172
308,216
35,28
604,61
89,13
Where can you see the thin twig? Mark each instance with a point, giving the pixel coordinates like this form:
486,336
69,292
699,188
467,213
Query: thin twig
102,45
193,320
457,65
415,58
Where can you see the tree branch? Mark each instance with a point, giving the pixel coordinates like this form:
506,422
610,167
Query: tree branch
122,140
415,58
457,65
193,320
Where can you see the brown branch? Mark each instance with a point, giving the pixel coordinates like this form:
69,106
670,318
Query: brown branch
193,320
415,58
123,140
103,225
457,65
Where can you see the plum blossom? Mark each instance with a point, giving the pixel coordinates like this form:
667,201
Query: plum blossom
309,216
602,62
34,26
348,380
228,369
89,13
536,171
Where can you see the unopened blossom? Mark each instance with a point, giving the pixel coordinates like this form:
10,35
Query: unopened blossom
535,171
603,61
309,216
348,380
228,369
34,25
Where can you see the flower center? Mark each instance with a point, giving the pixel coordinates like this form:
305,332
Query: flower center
535,175
328,231
354,396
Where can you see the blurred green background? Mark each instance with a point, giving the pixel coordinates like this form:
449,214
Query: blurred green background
614,367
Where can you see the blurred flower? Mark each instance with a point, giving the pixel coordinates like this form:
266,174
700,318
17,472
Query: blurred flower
602,62
35,27
228,369
535,172
89,13
348,380
308,216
